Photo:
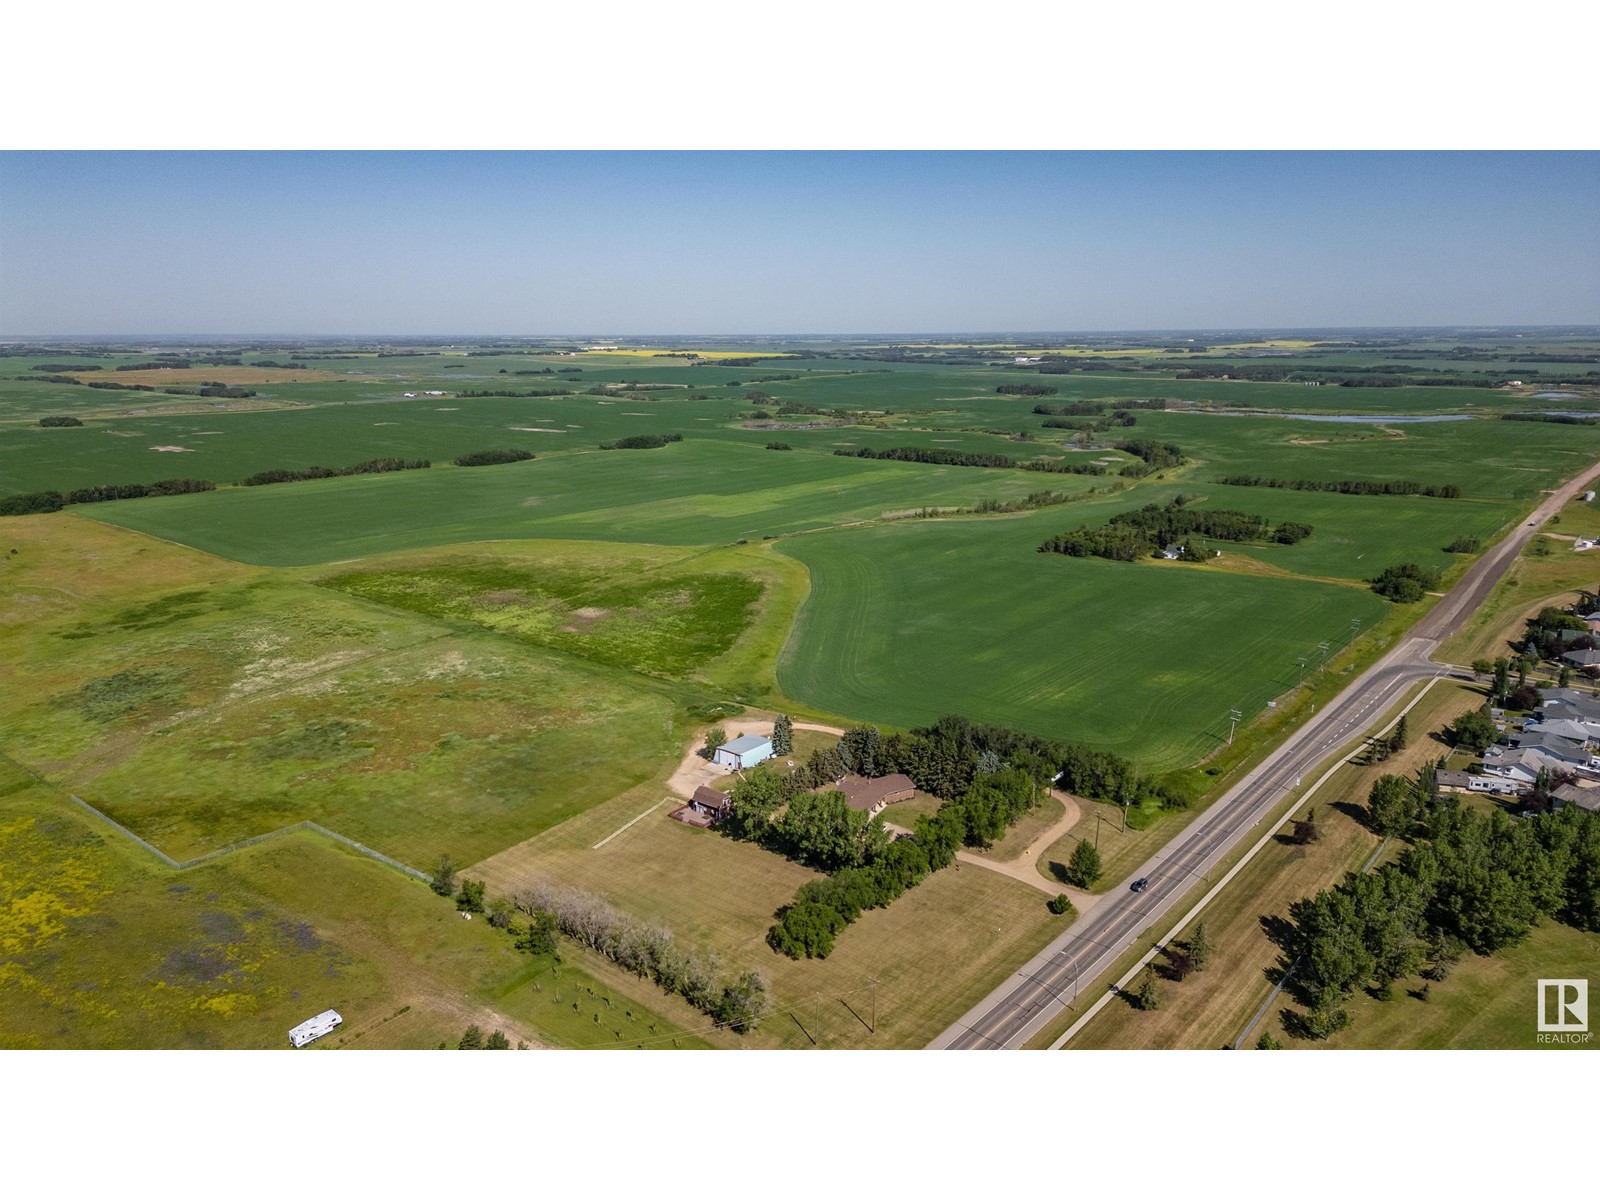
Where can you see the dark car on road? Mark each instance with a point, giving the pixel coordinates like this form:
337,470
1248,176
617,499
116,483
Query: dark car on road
1140,884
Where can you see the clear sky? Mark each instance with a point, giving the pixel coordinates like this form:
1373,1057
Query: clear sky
549,243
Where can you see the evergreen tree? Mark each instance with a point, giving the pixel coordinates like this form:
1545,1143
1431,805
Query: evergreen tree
472,1039
783,735
1148,997
1267,1042
1199,947
471,898
497,1041
716,738
1400,736
1084,868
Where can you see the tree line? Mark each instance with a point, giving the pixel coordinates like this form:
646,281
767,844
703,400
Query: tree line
1026,389
646,949
515,395
1550,418
59,422
1350,487
938,456
373,466
1470,882
28,503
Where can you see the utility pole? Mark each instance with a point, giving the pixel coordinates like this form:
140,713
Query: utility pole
1098,821
874,1004
1323,646
1355,627
1302,678
1233,720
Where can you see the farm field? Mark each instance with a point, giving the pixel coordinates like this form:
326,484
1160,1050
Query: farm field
907,621
689,494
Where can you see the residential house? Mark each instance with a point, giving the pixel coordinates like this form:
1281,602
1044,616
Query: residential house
711,802
1582,658
872,796
1587,798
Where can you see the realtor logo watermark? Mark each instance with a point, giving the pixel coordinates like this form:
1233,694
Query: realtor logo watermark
1563,1011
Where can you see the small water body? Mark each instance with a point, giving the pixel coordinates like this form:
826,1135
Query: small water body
1555,396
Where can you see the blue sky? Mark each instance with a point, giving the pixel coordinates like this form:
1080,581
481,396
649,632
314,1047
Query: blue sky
530,243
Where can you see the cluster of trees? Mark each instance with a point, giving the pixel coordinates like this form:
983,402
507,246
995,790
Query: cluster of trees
1549,635
523,395
1101,775
25,503
1550,418
1153,456
105,385
57,378
1026,503
489,458
282,366
1464,545
473,1039
935,455
1026,389
987,776
373,466
819,829
1472,882
1117,420
1350,487
1406,583
823,908
648,950
779,446
1133,535
64,367
1380,748
642,441
59,422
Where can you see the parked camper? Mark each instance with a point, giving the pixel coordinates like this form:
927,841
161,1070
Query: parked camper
309,1031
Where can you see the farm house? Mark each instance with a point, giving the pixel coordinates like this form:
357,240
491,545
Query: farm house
742,752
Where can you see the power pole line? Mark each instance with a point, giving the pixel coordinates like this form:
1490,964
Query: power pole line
1321,662
1302,678
1233,720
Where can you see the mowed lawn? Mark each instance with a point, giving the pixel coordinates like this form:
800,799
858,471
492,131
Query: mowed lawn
908,621
689,493
935,951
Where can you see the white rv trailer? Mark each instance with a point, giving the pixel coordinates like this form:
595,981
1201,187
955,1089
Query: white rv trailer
317,1026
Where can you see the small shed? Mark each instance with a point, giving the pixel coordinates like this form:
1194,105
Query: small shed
744,751
711,802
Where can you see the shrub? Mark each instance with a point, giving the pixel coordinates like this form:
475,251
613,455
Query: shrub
1061,905
489,458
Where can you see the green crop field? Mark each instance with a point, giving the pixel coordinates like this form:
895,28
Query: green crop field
908,621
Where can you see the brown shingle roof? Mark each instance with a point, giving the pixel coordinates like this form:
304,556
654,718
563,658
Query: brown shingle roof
710,797
866,794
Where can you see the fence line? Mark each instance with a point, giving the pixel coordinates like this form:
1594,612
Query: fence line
246,843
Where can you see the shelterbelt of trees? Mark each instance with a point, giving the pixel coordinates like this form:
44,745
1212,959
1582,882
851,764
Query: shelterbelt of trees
1349,487
1130,536
49,502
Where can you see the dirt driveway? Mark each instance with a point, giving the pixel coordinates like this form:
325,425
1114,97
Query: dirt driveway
695,771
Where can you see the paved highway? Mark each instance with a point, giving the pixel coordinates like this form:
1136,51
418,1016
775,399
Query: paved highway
1019,1008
